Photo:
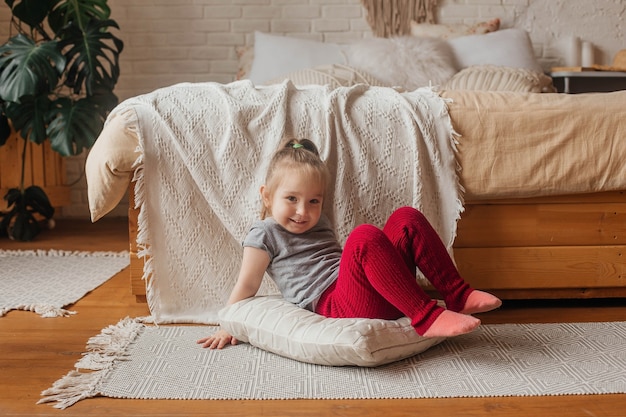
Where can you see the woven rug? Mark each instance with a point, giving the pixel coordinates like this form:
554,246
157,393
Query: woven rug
46,281
131,360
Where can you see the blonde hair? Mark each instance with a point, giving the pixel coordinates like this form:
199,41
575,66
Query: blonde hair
294,154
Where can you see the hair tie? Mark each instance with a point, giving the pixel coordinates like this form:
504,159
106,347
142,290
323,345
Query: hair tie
297,146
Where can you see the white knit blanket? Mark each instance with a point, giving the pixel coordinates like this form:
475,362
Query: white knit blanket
204,152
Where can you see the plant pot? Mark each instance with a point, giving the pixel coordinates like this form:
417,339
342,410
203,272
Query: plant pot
44,167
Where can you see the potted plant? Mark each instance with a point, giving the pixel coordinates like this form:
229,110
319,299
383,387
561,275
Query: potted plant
58,70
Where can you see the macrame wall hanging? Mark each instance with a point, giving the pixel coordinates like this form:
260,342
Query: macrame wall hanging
393,17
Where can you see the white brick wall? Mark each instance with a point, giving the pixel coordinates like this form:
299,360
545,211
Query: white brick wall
171,41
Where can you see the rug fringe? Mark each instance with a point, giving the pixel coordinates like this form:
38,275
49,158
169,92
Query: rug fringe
57,253
73,387
44,310
103,351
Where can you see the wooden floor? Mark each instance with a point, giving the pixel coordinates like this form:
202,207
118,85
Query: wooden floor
35,352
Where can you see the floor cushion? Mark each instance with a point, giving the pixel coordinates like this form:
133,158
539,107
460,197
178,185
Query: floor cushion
276,325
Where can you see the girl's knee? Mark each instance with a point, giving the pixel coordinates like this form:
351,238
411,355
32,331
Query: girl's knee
365,237
364,241
366,232
408,215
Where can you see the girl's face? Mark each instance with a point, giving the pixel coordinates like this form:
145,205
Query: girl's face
296,203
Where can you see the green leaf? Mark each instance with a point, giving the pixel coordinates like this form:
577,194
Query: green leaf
13,196
23,227
29,69
29,117
31,12
74,125
92,56
19,223
36,198
78,12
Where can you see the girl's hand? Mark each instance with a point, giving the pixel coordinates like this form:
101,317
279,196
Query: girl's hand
218,340
253,266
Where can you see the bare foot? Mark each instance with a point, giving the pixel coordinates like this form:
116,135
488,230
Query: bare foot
480,302
450,324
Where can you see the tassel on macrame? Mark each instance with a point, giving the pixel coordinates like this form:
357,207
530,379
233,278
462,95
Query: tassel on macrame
393,17
103,352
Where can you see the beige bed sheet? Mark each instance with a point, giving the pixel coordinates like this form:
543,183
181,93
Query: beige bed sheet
511,145
527,144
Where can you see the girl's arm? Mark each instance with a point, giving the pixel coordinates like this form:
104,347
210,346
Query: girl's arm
253,265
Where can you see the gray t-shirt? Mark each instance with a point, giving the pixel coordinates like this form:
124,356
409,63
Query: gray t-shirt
302,265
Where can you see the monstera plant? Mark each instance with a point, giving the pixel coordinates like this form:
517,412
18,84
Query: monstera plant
58,70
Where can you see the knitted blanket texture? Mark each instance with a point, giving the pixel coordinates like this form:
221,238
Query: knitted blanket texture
204,151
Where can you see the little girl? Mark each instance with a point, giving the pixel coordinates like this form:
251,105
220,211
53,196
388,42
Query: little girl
374,276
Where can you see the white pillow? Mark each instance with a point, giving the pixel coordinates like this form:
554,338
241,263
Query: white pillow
275,56
507,48
278,326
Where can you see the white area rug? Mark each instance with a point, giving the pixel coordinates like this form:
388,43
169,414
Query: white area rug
46,281
130,360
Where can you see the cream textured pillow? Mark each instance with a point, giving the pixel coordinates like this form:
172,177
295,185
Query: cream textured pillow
404,61
278,326
449,31
495,78
334,75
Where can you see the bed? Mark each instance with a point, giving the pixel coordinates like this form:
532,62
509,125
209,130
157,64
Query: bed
525,187
543,184
547,234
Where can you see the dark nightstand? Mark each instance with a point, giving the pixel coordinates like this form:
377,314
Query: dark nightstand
588,81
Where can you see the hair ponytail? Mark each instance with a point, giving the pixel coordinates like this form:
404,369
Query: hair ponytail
304,144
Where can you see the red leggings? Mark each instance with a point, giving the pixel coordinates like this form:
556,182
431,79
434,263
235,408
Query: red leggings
377,273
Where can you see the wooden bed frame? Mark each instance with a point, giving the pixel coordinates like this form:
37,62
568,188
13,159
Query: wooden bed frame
534,248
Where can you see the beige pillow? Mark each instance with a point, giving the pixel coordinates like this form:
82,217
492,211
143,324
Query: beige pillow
109,165
278,326
498,78
449,31
245,54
